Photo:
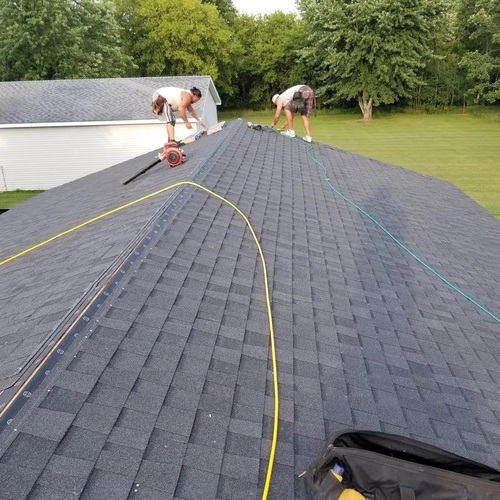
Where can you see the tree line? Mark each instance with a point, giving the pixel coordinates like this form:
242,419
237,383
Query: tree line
424,53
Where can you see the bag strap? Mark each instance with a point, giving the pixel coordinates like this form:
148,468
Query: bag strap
406,493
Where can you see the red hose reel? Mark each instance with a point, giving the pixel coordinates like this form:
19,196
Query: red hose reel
172,154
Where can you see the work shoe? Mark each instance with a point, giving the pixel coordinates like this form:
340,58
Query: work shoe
307,138
288,133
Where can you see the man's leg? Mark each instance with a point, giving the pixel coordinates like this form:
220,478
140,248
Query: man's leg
289,119
305,121
308,96
170,132
170,123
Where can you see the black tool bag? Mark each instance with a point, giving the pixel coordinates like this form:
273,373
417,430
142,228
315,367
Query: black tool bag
388,467
297,102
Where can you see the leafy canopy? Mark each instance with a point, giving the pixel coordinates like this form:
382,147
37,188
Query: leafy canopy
370,50
479,31
271,53
48,39
169,40
226,8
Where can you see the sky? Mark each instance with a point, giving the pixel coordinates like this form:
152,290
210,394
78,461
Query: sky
265,6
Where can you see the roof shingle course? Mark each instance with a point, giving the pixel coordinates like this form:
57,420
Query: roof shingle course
178,355
88,100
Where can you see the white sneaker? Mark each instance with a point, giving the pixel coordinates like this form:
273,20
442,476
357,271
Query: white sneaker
307,138
289,133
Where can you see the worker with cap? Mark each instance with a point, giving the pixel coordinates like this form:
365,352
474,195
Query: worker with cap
166,100
297,99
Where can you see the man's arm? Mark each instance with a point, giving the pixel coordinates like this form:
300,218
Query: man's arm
194,114
184,105
277,114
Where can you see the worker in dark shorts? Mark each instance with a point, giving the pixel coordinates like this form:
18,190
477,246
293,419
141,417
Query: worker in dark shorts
166,100
297,99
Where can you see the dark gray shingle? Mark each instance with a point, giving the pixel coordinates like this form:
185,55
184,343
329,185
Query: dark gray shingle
85,100
167,390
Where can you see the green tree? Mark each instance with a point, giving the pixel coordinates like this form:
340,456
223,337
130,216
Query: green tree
165,39
245,28
277,62
226,8
443,82
49,39
270,62
479,33
370,50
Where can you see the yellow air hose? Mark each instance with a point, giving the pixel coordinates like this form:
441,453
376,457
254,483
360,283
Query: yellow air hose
274,440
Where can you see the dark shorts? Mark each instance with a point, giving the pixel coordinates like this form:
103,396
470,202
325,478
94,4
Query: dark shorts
307,97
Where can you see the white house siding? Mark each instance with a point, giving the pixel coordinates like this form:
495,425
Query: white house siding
41,146
209,113
44,156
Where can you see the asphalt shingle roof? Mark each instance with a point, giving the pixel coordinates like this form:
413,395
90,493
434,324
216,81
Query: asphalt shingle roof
89,100
166,392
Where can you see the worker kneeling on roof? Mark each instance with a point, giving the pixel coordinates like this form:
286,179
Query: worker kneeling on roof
166,100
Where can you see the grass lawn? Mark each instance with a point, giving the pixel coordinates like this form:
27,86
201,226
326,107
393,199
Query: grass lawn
460,148
463,149
9,199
